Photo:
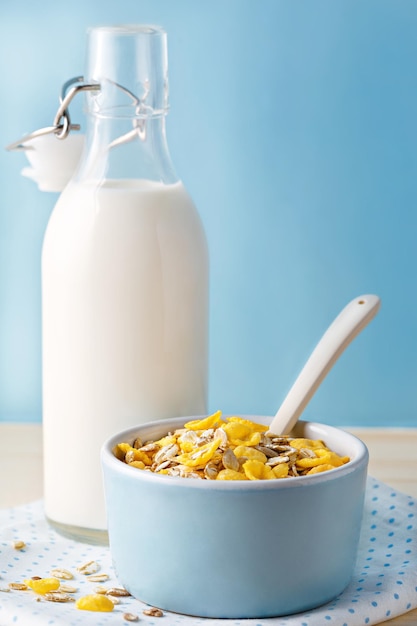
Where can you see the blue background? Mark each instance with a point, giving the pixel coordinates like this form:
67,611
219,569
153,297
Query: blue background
293,125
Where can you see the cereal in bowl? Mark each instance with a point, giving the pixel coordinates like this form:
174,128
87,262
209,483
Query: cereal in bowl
233,448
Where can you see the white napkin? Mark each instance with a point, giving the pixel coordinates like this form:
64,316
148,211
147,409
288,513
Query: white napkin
384,584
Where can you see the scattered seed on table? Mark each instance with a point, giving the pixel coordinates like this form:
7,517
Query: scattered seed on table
114,599
130,617
119,592
153,612
18,586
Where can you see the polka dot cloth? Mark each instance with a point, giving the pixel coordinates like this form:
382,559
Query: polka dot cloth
384,584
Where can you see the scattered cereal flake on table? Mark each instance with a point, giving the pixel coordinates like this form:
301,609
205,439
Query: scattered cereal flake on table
43,585
61,573
58,596
95,602
98,578
91,567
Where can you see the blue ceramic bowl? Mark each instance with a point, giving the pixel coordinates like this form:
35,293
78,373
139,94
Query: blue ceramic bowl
238,549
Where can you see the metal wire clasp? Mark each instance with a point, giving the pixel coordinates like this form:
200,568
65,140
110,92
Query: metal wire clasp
62,122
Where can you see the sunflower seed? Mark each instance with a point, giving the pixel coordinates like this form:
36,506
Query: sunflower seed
276,460
221,434
306,452
230,460
211,470
149,447
269,452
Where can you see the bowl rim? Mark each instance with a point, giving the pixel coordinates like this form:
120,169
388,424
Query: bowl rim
114,464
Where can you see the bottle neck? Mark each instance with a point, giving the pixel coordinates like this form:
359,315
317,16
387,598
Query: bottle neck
125,148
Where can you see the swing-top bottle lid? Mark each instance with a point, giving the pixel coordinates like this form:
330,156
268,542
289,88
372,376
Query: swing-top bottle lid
126,77
130,64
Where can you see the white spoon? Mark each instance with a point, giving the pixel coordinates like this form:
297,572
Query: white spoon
347,325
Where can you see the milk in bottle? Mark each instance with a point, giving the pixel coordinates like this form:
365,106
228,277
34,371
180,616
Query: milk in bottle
124,282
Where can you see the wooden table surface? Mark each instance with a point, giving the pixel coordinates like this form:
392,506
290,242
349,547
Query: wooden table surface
393,459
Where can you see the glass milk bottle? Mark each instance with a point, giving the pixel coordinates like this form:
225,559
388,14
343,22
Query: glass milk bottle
124,281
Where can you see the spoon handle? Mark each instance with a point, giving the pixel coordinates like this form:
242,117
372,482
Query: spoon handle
347,325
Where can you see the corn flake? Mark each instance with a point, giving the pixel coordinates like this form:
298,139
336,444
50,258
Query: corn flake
212,421
201,456
133,454
229,474
310,444
281,470
95,602
43,585
325,467
250,453
256,470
